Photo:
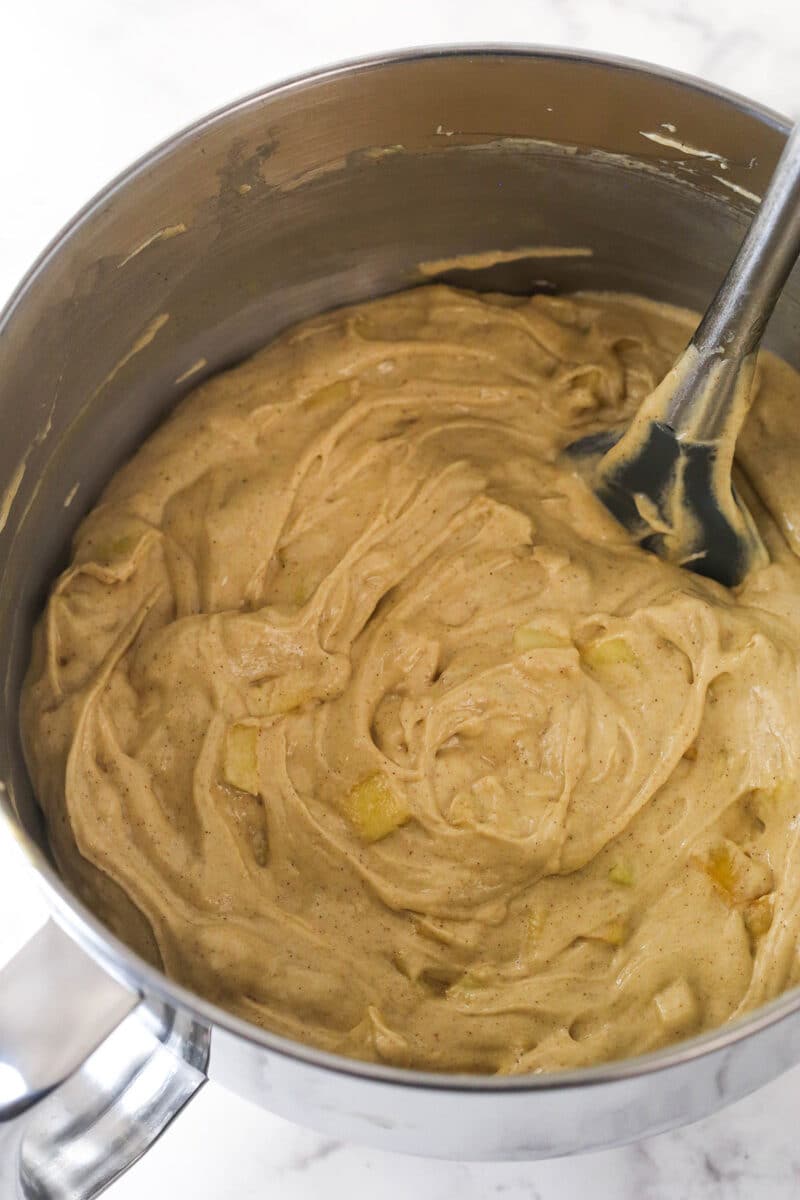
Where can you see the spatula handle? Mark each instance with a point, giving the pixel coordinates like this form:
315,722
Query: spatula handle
734,321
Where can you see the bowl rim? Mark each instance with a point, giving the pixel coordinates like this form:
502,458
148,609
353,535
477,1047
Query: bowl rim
122,963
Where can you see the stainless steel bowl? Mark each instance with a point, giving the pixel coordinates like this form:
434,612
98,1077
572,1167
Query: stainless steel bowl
321,191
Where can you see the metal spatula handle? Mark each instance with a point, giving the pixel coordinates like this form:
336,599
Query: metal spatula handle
734,322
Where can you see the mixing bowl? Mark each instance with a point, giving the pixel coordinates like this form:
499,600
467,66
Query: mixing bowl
319,192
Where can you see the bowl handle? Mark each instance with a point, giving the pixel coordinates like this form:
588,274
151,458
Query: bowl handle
90,1074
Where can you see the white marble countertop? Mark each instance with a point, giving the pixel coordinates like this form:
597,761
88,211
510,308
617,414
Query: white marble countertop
88,86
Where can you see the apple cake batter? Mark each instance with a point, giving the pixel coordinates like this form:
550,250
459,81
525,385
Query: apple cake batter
358,713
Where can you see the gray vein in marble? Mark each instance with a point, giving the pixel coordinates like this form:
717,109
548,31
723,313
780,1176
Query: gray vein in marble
305,1159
